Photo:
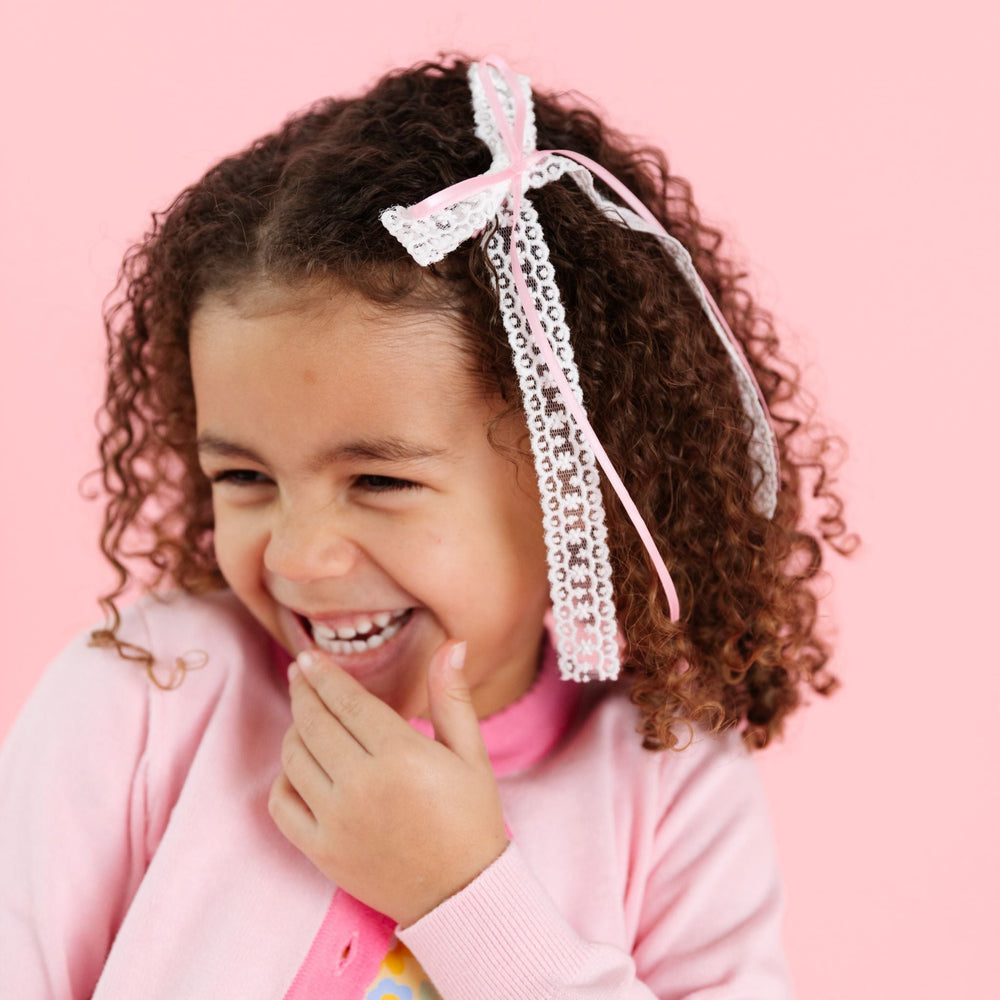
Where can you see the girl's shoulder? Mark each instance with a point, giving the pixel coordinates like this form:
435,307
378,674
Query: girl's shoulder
176,625
137,726
210,634
201,647
606,742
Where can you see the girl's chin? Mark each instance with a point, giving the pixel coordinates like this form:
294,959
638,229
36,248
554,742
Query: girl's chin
410,703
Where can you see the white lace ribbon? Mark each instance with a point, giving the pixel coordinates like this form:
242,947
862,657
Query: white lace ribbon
565,447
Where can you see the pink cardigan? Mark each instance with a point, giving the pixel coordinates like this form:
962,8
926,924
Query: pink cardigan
138,858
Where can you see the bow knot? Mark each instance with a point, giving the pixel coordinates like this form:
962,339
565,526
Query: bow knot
505,121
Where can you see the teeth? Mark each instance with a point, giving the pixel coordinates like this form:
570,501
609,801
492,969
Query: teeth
344,640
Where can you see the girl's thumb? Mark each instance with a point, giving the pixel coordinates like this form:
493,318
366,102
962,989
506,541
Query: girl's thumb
450,703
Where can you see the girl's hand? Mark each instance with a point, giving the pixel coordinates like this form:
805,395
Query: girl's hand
398,820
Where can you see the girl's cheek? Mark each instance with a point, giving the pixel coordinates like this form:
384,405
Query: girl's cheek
411,554
240,545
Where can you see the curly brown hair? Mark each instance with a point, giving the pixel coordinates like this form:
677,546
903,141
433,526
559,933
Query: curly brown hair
303,204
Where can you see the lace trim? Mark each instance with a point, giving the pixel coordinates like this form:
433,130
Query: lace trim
583,611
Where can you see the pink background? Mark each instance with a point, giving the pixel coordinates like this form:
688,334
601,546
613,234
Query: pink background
850,149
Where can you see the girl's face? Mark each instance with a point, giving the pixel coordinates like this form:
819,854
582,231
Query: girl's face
358,503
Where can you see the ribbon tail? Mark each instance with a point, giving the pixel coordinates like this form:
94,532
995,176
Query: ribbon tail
582,421
764,447
571,394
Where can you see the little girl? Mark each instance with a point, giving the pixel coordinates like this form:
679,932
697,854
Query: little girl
422,408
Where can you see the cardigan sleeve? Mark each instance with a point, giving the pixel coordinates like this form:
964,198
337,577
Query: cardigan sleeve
709,910
502,936
73,826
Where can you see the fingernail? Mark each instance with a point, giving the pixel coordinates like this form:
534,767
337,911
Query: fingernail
293,672
456,658
307,659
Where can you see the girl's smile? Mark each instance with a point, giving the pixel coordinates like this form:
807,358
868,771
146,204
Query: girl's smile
358,502
357,633
364,652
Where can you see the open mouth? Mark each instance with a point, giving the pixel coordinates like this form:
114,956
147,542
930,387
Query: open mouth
364,633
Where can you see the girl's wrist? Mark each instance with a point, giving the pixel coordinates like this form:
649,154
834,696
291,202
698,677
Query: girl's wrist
417,909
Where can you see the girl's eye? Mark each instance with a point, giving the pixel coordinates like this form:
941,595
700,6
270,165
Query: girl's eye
240,477
385,484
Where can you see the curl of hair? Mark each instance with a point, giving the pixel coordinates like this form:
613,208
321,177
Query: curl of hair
303,204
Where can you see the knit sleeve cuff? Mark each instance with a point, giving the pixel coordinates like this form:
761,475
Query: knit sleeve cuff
500,936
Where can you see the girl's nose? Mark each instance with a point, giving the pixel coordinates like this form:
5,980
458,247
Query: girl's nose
305,547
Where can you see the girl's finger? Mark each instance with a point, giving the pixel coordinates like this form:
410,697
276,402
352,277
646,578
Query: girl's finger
453,715
305,775
290,814
366,718
323,735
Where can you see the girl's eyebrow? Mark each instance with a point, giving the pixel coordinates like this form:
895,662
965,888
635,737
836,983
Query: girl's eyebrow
389,449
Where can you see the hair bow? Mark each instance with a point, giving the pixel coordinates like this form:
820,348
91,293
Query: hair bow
567,451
